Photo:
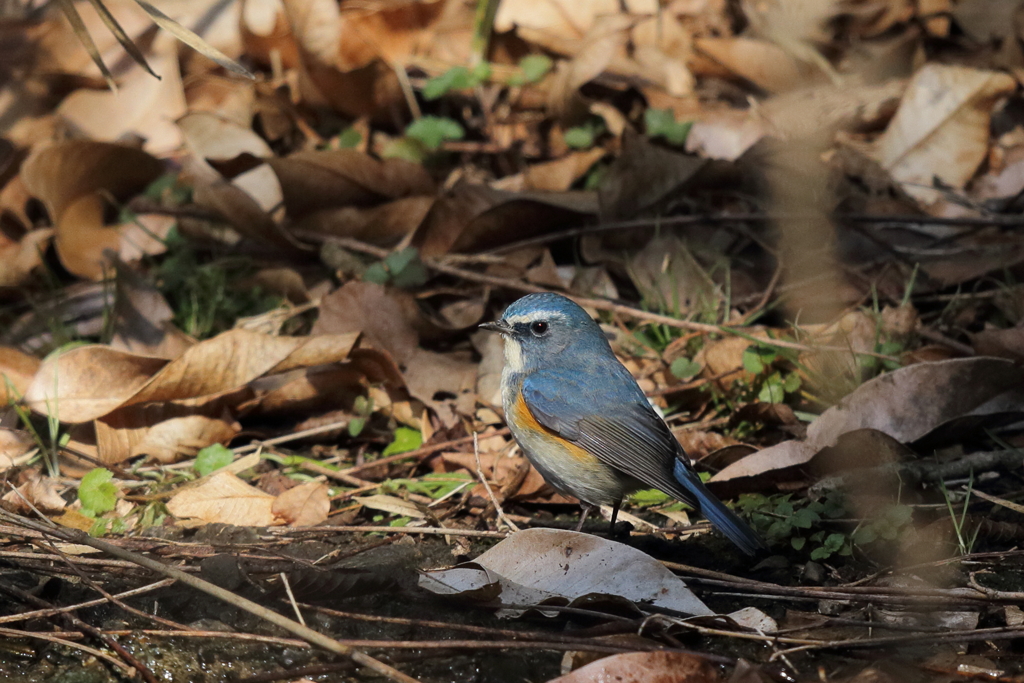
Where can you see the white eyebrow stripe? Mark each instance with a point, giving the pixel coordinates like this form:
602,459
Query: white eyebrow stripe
535,315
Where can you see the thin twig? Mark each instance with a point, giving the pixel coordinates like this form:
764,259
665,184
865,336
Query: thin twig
487,487
61,638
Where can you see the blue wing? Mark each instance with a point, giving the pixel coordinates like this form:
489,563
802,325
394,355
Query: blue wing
616,423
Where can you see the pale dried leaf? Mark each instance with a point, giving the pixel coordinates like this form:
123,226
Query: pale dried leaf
941,129
303,505
225,499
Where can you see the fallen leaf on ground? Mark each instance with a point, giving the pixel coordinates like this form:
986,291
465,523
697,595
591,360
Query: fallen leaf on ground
303,505
540,565
16,372
643,667
941,129
905,405
225,499
37,492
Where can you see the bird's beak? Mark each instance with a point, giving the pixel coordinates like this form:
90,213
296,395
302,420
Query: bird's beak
499,326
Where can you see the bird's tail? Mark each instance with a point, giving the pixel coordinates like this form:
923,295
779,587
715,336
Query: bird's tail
724,519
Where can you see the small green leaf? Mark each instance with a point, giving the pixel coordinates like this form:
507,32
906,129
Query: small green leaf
409,149
648,497
820,553
580,137
377,273
98,528
791,383
535,67
400,521
772,390
834,542
355,426
434,130
362,405
96,492
757,359
349,138
804,519
684,368
662,123
798,542
405,440
212,458
456,78
898,515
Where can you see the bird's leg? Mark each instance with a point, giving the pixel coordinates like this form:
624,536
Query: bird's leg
615,515
587,507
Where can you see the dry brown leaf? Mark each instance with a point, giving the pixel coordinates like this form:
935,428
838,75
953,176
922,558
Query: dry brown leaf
561,174
85,245
165,432
143,106
19,259
316,180
385,225
444,382
380,315
16,372
1000,343
761,62
146,235
605,39
62,173
558,24
39,492
941,129
904,405
87,382
265,31
637,667
325,77
225,499
13,444
142,320
303,505
235,358
476,217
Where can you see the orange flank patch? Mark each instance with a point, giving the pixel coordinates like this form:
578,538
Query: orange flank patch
526,422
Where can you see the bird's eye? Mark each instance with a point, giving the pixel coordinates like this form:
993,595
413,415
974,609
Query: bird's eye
539,328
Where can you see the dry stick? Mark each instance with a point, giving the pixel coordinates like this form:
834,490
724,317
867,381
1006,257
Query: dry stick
114,600
599,304
487,487
82,605
318,639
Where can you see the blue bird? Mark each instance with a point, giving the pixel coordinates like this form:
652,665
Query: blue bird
583,421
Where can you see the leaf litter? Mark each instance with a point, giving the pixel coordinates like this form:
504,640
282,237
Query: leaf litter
238,323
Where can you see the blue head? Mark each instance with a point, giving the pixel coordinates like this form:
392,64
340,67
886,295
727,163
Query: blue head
539,327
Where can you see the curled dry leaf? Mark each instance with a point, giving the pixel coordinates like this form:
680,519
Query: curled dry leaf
763,63
941,129
71,178
477,217
16,372
906,405
88,382
167,432
303,505
37,492
348,82
537,565
143,106
13,444
225,499
316,180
